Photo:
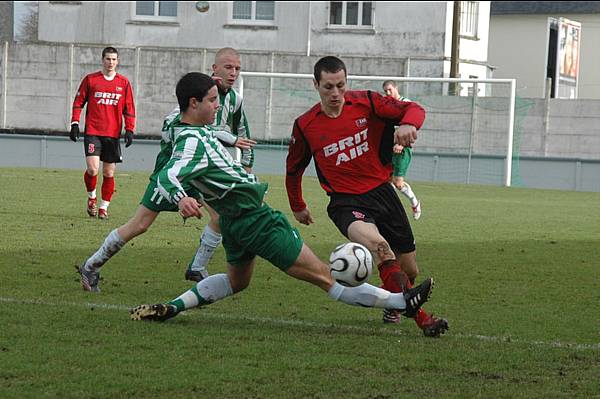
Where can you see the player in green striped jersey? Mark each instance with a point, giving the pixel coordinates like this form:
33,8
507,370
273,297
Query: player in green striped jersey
401,158
200,165
232,129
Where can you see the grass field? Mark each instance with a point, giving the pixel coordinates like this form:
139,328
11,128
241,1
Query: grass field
517,275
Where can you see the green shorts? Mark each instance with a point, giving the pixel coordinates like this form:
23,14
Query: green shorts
265,232
154,201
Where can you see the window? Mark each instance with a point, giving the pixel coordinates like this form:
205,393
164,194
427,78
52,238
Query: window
469,18
351,13
156,9
256,11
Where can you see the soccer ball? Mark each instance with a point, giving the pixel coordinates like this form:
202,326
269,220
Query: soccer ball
351,264
202,6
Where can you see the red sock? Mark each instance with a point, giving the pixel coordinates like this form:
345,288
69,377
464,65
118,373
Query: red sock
422,318
90,181
396,280
108,188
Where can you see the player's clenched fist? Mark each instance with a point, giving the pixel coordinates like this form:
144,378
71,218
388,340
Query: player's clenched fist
189,207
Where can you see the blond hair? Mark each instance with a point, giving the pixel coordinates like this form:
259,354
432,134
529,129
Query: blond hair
226,51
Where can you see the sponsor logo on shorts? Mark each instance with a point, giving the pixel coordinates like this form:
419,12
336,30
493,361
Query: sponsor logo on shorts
358,215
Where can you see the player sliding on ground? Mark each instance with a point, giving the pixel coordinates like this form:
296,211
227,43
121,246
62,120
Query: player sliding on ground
201,167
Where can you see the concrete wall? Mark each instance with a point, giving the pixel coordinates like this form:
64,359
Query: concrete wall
518,48
42,80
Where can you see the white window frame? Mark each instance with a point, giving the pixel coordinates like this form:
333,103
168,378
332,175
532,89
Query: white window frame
155,17
343,25
252,20
469,15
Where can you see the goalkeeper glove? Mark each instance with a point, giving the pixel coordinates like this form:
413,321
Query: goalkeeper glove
128,139
74,134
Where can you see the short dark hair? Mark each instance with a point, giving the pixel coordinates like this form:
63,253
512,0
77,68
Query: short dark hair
329,64
109,50
192,85
391,83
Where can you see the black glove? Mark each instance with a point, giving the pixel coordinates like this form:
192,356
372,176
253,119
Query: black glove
128,139
74,134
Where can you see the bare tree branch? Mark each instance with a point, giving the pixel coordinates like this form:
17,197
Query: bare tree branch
29,25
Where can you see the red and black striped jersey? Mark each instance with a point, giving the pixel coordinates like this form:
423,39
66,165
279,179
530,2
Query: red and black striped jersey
108,102
346,149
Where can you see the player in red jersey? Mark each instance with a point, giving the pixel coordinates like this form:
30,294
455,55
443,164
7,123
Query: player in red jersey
348,136
109,99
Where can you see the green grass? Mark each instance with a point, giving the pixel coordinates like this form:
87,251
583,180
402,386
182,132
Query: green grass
517,274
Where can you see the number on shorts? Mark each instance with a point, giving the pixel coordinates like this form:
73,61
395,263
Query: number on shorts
153,198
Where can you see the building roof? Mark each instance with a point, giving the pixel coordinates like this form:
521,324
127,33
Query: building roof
544,7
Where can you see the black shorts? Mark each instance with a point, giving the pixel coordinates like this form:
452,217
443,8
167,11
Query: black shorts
107,148
380,206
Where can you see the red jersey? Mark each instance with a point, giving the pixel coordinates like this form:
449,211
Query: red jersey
346,149
108,102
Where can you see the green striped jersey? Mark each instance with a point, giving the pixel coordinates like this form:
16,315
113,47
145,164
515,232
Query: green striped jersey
230,123
200,162
232,118
166,141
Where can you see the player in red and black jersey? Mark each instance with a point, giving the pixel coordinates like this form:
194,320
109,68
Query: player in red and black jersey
109,99
348,136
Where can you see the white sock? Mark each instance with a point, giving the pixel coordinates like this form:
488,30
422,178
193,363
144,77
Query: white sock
92,194
104,204
367,295
111,245
207,291
408,193
209,241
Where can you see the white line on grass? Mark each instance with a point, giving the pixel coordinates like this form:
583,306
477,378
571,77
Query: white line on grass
301,323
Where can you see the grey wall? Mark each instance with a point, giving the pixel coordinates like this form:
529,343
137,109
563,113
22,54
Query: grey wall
42,80
527,60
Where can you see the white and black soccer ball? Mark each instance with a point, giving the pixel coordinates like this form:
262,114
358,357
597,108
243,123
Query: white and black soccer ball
202,6
351,264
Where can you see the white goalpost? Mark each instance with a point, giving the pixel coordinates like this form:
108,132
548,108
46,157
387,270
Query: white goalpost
469,131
